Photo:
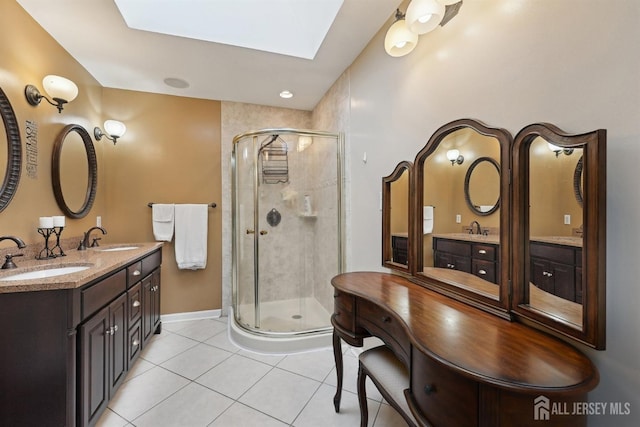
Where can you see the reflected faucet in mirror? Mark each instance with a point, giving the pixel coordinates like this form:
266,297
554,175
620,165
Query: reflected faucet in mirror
9,258
85,239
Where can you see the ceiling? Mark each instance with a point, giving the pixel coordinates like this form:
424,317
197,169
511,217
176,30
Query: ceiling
221,60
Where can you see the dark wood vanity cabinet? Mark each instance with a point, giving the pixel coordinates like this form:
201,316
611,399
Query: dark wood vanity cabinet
476,258
557,269
466,368
399,249
66,351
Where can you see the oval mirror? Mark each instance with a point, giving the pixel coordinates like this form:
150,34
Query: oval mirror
74,171
396,215
11,158
482,186
559,267
460,251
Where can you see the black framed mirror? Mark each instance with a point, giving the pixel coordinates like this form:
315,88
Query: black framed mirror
482,186
577,180
458,251
396,217
74,170
12,163
559,244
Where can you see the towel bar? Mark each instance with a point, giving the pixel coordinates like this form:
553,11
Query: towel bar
213,205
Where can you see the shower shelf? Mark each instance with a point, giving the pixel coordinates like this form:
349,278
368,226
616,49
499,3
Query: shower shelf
275,161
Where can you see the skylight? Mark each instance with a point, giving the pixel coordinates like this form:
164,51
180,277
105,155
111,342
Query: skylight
288,27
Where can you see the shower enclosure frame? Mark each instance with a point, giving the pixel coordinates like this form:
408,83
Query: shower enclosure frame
339,137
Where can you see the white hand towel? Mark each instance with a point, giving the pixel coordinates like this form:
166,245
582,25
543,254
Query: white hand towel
427,219
162,221
191,236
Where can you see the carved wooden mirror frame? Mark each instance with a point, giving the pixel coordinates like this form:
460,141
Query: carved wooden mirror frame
388,257
92,172
593,257
499,306
14,152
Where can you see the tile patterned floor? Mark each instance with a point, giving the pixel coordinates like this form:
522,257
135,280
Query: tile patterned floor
192,375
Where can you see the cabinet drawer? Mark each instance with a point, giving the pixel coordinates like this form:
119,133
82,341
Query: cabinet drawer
399,242
486,252
444,397
135,342
134,273
384,326
485,270
343,313
561,254
134,302
151,262
102,293
452,246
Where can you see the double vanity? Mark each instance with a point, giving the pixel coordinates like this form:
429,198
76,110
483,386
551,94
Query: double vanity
72,328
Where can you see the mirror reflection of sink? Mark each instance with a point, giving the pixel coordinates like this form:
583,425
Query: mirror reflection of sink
119,248
45,273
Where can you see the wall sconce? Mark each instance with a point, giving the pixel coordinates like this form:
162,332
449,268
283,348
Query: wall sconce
422,16
60,90
113,130
455,157
558,150
399,40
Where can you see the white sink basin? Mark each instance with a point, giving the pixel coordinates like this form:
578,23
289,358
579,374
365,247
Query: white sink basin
45,273
119,248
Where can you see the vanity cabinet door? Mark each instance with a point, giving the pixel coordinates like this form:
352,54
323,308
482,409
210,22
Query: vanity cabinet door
94,366
150,305
103,345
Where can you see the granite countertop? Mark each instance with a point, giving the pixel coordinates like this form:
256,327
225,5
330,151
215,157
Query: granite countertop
99,261
478,238
559,240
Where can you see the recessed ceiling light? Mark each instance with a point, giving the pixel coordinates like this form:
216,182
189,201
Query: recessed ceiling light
286,94
177,83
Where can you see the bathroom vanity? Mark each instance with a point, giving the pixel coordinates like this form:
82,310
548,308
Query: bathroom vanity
68,341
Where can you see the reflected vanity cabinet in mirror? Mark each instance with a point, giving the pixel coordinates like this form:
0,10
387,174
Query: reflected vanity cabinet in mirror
512,226
397,217
559,231
461,211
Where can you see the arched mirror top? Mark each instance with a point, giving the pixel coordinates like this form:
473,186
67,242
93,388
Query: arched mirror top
560,237
396,217
12,163
459,247
74,171
482,186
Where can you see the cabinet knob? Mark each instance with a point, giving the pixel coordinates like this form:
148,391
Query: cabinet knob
429,388
336,294
110,331
263,232
135,343
386,319
482,251
137,273
115,329
250,231
483,272
136,303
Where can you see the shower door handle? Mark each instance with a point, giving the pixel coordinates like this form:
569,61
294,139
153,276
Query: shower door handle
250,231
263,232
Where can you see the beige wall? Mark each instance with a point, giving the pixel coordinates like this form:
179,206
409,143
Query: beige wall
170,153
510,63
27,54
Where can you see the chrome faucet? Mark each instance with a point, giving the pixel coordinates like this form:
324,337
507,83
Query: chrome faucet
9,257
85,239
473,225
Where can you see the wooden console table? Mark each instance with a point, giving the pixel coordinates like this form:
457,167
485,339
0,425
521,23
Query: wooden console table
466,367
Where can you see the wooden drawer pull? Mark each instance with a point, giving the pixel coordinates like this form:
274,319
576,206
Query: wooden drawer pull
429,388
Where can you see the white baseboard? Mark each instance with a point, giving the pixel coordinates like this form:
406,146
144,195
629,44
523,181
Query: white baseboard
192,315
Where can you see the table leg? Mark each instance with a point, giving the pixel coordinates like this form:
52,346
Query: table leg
337,355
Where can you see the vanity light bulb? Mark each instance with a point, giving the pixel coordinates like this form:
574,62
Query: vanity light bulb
424,15
114,128
453,154
60,88
399,41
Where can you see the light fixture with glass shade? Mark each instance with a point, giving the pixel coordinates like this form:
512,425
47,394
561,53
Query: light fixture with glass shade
60,89
113,130
399,40
455,157
424,15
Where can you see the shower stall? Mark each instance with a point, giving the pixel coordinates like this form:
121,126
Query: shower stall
287,236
